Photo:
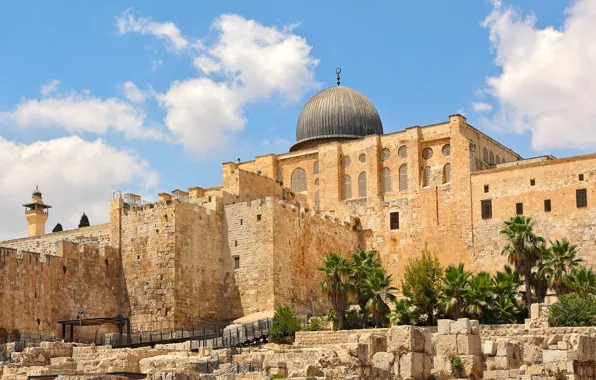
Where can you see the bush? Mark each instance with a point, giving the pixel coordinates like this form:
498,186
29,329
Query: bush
285,325
315,324
573,310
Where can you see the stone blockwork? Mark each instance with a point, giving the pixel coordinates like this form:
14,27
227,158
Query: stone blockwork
36,290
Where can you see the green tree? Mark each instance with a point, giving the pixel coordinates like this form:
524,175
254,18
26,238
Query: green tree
363,263
582,282
506,283
57,228
453,288
421,284
401,313
559,261
84,222
336,284
477,296
377,288
522,248
573,310
285,325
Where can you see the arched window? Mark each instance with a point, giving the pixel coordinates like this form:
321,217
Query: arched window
492,158
402,151
317,200
503,160
426,177
447,173
386,180
446,150
485,155
280,174
299,180
346,191
497,159
403,177
385,154
315,168
362,185
346,161
362,157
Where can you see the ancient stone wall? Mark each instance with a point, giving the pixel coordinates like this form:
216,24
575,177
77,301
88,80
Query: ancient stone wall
36,290
530,185
98,236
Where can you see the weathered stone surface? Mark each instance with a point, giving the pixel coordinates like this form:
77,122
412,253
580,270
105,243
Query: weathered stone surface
461,326
406,338
468,345
550,356
444,326
446,345
383,361
413,365
489,348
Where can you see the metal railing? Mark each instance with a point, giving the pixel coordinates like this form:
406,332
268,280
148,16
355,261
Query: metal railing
242,335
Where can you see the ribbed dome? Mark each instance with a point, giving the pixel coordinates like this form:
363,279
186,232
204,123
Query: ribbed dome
337,112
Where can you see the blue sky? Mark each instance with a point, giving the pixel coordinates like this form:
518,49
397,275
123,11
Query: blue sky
96,82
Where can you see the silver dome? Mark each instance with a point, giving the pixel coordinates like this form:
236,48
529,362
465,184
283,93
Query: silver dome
336,113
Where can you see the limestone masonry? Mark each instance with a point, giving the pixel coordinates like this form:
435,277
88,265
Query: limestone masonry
254,243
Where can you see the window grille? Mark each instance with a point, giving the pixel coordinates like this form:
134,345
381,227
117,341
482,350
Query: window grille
498,159
236,262
485,155
394,220
427,153
486,188
446,149
346,161
402,151
280,174
315,167
486,208
492,158
362,157
403,177
385,154
547,206
581,197
347,188
447,173
317,182
519,208
426,177
362,185
299,180
386,180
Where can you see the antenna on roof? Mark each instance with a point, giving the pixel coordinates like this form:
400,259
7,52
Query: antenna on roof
338,71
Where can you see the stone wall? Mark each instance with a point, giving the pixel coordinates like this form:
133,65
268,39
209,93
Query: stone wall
98,236
36,290
322,338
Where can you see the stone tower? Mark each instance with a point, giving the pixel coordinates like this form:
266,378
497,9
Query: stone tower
36,213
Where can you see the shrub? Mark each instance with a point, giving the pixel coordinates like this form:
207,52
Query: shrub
457,367
573,310
315,324
285,325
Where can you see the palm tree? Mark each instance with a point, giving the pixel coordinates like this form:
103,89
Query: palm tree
453,287
377,288
401,314
477,295
363,263
506,283
559,261
336,283
582,282
522,248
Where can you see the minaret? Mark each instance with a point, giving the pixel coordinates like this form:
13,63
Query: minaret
37,214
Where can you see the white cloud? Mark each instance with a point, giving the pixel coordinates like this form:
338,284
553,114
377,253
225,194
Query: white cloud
256,63
265,143
128,23
482,107
49,88
80,112
548,81
74,175
132,92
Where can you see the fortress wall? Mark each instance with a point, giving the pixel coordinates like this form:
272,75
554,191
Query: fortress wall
148,238
198,265
249,288
98,236
556,180
36,290
300,240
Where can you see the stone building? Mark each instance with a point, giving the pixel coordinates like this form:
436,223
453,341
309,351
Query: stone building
253,243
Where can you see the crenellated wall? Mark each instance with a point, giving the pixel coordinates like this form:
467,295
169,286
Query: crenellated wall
36,289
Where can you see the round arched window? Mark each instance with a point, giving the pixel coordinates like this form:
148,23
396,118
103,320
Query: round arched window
427,153
385,154
299,180
362,157
402,151
446,150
